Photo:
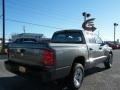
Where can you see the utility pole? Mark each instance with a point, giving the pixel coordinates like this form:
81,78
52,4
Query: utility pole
3,13
115,25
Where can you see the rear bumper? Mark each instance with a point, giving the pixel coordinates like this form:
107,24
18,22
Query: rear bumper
35,72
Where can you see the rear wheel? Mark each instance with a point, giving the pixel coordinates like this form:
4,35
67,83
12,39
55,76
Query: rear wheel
76,77
108,62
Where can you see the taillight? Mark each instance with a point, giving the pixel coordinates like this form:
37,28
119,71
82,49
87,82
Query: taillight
48,57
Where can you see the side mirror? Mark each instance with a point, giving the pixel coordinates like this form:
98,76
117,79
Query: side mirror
102,44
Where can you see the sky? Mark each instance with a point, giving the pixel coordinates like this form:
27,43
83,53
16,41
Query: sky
48,16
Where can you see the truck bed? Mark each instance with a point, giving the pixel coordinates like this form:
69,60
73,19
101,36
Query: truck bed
27,53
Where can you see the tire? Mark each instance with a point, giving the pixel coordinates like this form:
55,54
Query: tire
108,62
76,77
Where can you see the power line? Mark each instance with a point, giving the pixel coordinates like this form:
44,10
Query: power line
34,24
46,26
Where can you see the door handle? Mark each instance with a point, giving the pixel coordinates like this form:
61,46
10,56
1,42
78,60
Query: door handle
90,49
100,47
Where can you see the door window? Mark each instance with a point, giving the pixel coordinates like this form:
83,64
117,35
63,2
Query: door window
98,40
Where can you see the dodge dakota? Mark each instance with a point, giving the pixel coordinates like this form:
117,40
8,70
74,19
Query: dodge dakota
67,55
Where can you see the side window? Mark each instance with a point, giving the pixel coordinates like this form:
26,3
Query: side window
98,40
92,40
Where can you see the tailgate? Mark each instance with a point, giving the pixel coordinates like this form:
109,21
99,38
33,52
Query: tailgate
27,53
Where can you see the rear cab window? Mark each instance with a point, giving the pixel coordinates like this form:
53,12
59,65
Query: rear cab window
68,37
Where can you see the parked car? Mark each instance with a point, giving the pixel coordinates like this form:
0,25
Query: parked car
69,53
113,45
118,45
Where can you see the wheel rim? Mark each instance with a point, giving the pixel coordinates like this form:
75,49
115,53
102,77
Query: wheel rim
78,77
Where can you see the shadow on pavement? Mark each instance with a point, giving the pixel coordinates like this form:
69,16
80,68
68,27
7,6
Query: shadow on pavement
18,83
94,70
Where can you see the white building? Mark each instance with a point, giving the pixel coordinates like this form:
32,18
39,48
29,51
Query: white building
38,37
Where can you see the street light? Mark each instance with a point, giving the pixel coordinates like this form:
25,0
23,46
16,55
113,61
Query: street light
115,25
86,15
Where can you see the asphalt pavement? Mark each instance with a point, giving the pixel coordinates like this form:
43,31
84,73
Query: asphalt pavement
97,78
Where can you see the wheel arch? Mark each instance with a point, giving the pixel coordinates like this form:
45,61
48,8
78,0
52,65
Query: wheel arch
111,52
78,59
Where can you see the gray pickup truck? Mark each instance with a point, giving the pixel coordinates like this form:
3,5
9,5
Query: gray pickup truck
69,53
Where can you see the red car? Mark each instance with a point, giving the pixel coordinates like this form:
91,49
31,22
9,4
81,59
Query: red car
113,45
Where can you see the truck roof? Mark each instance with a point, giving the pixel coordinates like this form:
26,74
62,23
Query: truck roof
69,30
75,30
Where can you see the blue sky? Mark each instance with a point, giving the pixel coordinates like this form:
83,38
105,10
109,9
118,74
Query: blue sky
64,14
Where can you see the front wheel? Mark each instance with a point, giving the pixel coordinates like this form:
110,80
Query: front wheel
76,76
108,62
